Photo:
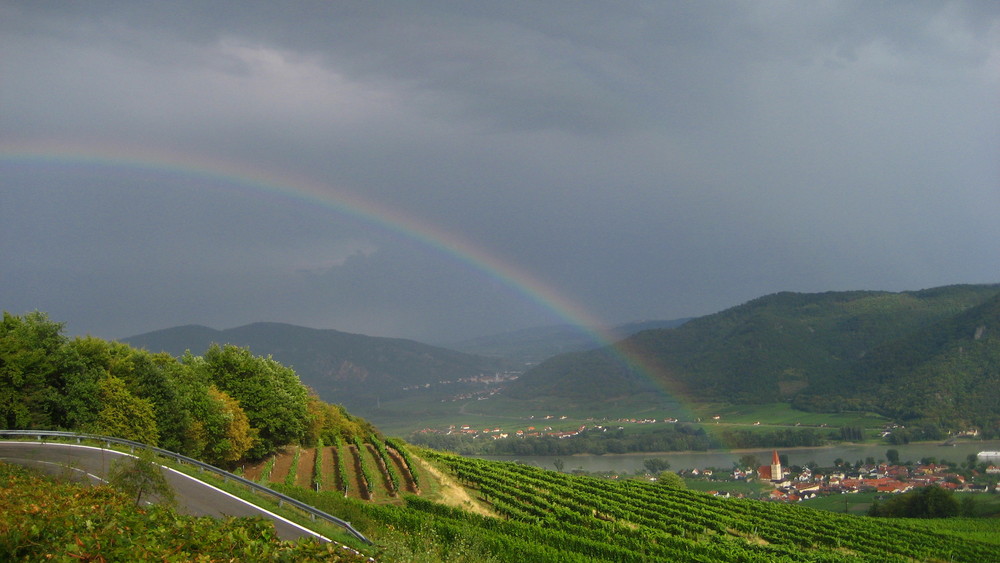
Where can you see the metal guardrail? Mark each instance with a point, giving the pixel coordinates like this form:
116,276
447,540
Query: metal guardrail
312,511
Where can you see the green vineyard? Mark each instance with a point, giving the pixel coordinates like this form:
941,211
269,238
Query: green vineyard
364,469
541,515
638,521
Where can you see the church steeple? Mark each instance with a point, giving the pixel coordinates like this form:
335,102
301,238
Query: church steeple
776,473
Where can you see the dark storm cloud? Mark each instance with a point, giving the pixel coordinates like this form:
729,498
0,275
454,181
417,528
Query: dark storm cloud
645,159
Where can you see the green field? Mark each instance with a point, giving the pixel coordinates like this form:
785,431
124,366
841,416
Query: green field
748,488
855,503
782,414
403,417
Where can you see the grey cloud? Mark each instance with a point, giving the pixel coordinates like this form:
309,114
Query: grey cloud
647,159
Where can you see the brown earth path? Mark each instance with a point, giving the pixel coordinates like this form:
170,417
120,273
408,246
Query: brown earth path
408,481
307,462
253,472
282,463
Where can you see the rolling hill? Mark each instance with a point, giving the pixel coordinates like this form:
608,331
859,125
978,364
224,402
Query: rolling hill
352,369
533,345
913,354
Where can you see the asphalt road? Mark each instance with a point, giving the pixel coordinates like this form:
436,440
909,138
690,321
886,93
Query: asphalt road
91,464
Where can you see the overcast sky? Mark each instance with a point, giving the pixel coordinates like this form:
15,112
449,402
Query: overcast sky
650,160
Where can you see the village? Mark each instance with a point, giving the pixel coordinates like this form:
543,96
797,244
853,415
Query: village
777,481
497,433
803,483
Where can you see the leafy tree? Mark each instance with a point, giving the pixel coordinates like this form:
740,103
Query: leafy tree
158,378
852,433
271,394
140,475
925,502
749,460
971,461
151,377
124,415
892,455
232,428
327,422
671,480
30,355
220,408
656,465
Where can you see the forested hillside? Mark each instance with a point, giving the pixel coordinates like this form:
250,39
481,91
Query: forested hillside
533,345
914,355
350,369
947,372
223,407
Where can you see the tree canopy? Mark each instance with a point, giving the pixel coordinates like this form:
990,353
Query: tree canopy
223,407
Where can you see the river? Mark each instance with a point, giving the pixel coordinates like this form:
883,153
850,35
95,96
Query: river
823,456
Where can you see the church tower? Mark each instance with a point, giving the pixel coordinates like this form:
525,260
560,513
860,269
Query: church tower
776,473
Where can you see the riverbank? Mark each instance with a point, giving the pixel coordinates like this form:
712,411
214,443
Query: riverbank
824,456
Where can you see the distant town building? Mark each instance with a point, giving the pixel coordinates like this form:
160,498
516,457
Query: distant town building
771,472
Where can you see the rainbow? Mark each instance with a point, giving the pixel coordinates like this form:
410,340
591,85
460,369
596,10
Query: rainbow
244,176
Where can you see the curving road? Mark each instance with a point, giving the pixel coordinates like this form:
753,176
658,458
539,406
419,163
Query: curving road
194,497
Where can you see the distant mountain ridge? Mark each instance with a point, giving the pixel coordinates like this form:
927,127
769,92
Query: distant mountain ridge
535,344
924,355
346,368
